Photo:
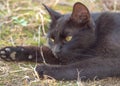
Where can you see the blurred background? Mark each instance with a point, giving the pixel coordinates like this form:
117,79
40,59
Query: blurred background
25,22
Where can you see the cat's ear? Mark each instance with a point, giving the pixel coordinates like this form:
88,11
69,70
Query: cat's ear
80,13
53,14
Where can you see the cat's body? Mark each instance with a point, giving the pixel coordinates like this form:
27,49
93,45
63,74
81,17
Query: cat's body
80,42
107,33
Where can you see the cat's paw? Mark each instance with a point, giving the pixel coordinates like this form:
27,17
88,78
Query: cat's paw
11,53
40,70
45,71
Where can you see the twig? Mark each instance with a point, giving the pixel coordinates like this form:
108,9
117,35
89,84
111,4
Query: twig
79,83
12,41
8,7
42,55
115,5
42,22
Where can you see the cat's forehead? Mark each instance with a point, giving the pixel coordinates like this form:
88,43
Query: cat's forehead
64,18
62,26
62,21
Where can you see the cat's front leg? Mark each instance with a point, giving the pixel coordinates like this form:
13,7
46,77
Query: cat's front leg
28,53
87,69
58,72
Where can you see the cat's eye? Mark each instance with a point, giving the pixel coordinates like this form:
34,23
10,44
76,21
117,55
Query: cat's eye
52,39
68,38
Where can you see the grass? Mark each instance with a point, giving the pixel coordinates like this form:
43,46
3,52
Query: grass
25,22
22,74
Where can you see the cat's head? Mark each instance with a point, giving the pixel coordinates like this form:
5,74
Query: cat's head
71,33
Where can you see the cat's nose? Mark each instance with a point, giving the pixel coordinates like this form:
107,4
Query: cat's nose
57,49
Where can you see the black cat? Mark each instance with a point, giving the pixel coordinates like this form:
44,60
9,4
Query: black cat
80,41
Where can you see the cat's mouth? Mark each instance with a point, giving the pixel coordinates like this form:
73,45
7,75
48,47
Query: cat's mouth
56,52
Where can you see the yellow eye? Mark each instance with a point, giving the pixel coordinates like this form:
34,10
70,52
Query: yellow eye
52,39
68,38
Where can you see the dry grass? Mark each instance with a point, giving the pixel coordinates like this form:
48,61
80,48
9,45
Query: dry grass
22,74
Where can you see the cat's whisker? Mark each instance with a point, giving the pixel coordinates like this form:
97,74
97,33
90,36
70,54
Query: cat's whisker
55,55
